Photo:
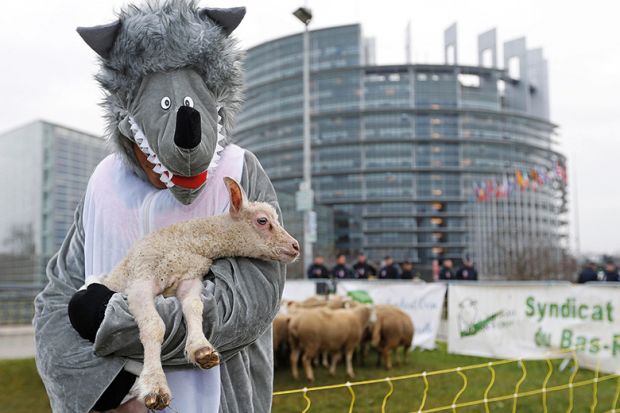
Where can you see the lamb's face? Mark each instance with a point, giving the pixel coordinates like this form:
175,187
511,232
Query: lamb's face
270,238
267,239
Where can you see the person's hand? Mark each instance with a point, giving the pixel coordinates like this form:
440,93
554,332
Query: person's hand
87,310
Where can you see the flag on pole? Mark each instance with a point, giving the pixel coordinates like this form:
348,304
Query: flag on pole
521,179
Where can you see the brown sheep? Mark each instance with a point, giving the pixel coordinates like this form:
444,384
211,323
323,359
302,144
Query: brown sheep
280,330
333,302
324,330
392,329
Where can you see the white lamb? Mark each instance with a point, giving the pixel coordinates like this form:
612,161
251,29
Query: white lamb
173,260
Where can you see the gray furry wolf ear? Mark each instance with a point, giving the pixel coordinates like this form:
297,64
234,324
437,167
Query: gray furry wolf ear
172,75
101,38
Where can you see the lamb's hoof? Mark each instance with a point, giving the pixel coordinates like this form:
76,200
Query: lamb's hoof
206,357
157,401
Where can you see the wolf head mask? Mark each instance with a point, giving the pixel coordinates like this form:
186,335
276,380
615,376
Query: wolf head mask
173,81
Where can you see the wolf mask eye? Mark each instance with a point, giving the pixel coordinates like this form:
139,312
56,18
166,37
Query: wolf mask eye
165,103
188,102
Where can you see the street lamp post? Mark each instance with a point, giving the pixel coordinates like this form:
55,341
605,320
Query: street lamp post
305,196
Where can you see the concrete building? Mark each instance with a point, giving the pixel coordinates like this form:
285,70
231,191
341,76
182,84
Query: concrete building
47,168
397,149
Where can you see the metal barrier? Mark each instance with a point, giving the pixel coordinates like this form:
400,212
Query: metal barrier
17,303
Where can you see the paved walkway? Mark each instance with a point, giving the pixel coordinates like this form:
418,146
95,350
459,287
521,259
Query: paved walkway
16,342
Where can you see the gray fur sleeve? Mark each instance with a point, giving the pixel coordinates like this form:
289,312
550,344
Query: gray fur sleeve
241,296
73,375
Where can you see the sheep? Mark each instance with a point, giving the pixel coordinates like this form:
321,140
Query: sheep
172,262
333,302
324,330
280,331
392,329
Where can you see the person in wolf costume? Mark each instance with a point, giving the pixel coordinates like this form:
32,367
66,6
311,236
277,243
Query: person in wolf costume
173,78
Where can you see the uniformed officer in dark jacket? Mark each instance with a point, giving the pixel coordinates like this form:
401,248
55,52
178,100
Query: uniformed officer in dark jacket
446,272
318,269
362,269
341,269
389,269
467,271
588,273
408,272
611,272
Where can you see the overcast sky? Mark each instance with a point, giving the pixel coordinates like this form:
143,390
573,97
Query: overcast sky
46,70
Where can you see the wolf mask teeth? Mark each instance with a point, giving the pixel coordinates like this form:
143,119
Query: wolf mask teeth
165,174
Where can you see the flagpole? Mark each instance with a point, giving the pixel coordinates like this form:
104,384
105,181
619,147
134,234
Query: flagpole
505,224
496,260
485,234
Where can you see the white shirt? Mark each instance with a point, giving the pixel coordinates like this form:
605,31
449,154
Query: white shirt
121,208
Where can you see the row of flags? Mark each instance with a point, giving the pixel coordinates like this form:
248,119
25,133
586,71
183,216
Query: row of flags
522,179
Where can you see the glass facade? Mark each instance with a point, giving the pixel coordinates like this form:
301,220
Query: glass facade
53,164
395,149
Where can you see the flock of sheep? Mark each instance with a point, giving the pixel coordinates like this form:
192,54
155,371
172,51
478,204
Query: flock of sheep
330,327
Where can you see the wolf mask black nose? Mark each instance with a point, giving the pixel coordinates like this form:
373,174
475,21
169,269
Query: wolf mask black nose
187,132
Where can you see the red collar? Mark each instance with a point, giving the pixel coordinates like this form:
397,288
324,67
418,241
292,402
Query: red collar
191,182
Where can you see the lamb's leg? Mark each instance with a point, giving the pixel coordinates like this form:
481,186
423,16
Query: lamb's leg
325,361
198,350
294,360
387,357
335,359
152,386
349,361
306,360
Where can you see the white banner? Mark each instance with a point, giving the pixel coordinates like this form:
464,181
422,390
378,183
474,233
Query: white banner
422,301
531,320
298,290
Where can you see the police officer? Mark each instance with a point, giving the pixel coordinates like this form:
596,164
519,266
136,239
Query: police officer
389,269
467,271
588,273
408,272
318,269
341,269
362,269
446,272
611,271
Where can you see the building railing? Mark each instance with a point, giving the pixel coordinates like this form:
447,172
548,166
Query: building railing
17,303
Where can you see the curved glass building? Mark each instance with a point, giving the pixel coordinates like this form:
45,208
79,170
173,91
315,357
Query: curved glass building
399,152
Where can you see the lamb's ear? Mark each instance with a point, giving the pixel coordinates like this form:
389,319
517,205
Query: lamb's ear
238,198
100,38
227,19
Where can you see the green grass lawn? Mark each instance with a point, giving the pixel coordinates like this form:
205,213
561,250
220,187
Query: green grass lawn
22,389
23,392
407,395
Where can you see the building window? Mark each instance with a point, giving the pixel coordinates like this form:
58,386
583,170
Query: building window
469,80
514,67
